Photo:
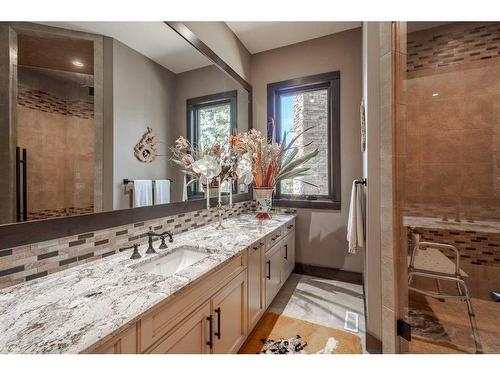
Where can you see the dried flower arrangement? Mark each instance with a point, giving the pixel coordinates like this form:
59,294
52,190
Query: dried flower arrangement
272,162
245,158
217,164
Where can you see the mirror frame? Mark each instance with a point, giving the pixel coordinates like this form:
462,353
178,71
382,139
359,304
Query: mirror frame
24,233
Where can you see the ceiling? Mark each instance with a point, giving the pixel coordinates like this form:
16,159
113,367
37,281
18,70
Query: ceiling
155,40
417,26
56,53
263,36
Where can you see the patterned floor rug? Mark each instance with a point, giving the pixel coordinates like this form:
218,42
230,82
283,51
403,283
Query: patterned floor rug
280,334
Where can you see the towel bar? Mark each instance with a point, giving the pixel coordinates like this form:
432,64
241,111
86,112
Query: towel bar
127,181
362,181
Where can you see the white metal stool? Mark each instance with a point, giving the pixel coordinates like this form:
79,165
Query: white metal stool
428,260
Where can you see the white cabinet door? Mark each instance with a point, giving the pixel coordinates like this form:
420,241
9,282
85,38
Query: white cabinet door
256,281
229,309
273,272
189,337
288,256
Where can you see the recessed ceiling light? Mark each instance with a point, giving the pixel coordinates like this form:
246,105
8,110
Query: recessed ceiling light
77,63
311,100
435,94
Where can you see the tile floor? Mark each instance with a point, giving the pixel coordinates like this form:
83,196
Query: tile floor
321,301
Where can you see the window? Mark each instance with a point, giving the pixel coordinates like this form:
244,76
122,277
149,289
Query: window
309,102
210,118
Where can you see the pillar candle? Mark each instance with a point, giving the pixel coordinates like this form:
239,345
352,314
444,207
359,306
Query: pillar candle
220,189
207,192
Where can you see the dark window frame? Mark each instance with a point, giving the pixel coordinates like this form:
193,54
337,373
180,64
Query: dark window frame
330,81
192,128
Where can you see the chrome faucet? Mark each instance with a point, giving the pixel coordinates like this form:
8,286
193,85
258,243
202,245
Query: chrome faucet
163,245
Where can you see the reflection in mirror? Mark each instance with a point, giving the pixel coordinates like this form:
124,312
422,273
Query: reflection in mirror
94,111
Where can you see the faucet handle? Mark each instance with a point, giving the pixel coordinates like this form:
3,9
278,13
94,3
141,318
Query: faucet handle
163,245
135,254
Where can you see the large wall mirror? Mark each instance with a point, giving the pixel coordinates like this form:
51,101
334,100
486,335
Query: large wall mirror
91,109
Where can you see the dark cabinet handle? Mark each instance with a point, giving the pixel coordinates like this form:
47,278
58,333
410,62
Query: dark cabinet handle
210,332
258,246
268,270
286,251
217,311
290,226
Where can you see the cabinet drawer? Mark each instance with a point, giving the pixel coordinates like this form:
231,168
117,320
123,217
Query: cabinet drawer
124,343
273,238
289,227
167,315
191,336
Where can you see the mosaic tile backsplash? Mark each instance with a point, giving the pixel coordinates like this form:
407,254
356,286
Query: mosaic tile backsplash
454,44
475,248
45,102
450,212
29,262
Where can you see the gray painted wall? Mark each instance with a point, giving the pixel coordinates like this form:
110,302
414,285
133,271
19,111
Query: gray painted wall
142,96
219,37
200,82
321,234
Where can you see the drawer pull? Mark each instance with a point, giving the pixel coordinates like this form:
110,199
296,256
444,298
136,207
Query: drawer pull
217,311
258,246
268,270
290,226
210,332
286,252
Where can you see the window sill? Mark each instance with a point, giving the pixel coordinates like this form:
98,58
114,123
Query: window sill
305,203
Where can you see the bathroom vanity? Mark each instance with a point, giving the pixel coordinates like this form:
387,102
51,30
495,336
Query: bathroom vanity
203,294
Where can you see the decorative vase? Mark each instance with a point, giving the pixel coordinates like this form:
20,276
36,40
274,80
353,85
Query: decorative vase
264,199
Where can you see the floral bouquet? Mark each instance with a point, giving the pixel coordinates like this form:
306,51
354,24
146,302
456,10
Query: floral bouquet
201,165
270,163
215,168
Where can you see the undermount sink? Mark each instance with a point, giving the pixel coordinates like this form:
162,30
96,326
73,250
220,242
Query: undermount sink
173,262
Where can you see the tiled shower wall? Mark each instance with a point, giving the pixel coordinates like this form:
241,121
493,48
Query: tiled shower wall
28,262
475,248
453,45
56,125
452,136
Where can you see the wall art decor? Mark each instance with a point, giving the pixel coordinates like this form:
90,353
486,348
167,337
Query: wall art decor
145,150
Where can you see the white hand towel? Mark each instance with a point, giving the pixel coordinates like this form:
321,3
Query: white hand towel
162,191
355,223
184,189
143,193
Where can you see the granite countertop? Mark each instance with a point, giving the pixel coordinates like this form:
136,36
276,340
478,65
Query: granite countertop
437,223
69,311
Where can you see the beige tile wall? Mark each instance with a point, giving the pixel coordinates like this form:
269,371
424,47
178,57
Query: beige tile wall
453,124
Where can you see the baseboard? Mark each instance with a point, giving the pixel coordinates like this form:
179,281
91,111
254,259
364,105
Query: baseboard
373,344
329,273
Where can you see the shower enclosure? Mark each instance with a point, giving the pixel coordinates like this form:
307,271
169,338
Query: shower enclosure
52,160
449,186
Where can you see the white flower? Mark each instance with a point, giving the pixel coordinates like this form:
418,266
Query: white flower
244,169
207,167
